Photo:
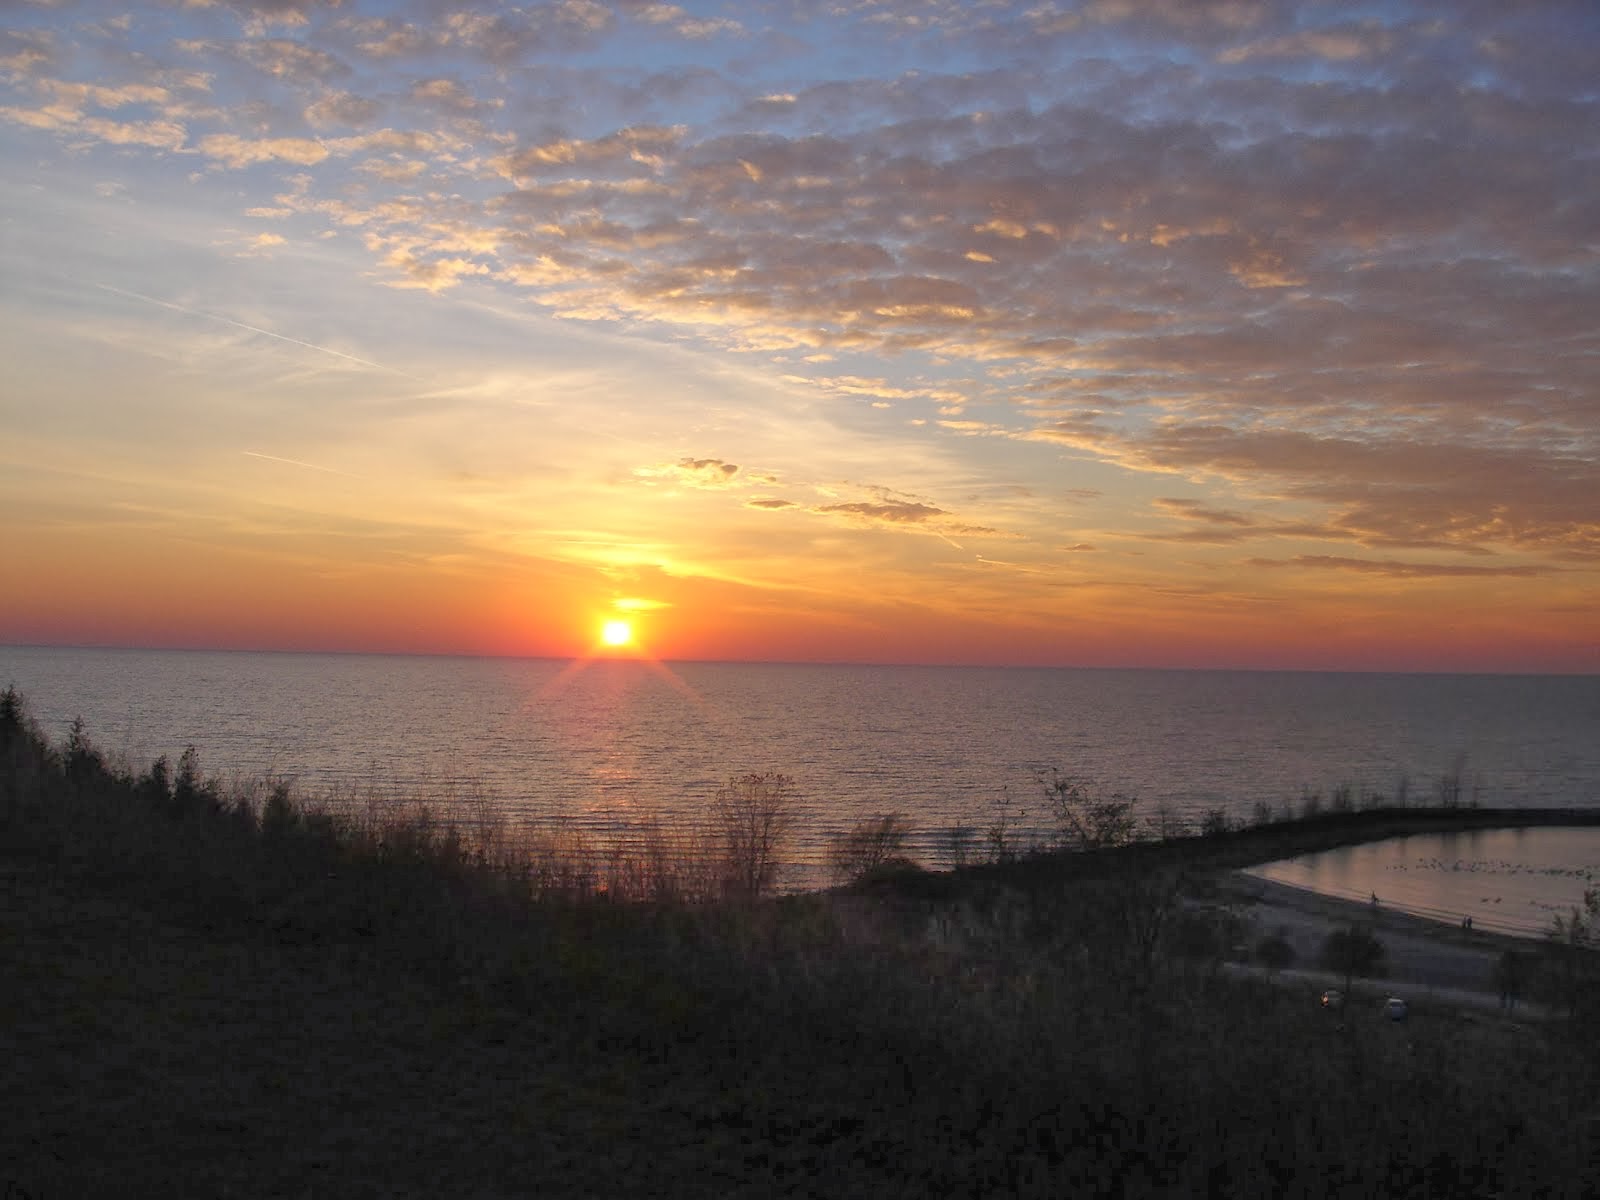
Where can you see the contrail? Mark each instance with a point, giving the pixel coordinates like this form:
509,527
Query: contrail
295,462
195,312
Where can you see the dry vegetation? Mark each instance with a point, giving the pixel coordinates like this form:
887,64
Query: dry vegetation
237,994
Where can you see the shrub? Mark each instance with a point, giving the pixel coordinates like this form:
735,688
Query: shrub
1353,951
1261,814
1512,975
1215,822
754,814
1275,952
868,845
1166,824
1003,845
897,867
957,841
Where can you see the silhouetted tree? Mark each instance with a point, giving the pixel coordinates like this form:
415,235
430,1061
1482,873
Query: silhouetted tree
754,814
1353,951
1511,976
1085,818
81,759
155,787
12,713
190,792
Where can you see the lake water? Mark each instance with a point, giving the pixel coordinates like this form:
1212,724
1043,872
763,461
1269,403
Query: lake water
608,743
1506,880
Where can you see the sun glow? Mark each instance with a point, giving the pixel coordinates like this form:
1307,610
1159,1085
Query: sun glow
616,634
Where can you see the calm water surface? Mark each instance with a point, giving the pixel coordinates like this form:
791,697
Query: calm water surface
611,742
1507,880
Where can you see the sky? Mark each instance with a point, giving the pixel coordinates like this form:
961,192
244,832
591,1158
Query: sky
1212,333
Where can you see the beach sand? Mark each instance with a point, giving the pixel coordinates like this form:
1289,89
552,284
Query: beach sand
1427,959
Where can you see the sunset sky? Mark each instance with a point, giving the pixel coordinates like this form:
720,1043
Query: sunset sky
1125,332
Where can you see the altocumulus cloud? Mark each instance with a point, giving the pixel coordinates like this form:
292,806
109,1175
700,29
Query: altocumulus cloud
1334,275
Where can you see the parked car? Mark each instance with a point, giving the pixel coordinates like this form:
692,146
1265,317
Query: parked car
1395,1008
1333,999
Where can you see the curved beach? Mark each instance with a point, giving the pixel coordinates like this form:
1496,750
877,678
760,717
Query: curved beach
1425,957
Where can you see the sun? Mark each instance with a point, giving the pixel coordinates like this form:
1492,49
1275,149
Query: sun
616,633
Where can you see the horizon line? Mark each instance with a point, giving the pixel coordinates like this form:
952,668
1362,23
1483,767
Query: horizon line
779,662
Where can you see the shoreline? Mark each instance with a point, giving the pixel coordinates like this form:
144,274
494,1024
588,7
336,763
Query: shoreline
1278,894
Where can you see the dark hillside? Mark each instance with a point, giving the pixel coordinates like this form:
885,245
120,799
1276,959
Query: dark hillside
232,996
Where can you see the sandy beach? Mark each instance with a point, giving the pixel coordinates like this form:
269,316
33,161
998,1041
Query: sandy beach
1427,959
